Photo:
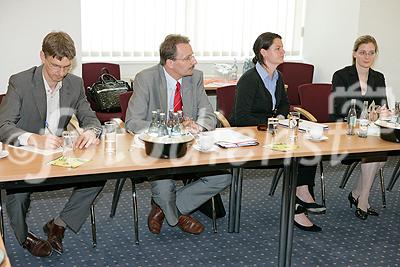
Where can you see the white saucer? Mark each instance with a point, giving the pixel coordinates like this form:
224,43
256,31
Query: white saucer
212,149
3,154
322,138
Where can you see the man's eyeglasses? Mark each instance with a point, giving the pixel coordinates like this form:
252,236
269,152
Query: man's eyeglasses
56,67
365,53
187,59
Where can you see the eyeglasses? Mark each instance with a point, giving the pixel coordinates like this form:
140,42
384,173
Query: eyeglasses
365,53
187,59
56,67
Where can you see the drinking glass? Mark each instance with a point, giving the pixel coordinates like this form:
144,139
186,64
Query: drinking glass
68,145
110,136
273,125
294,119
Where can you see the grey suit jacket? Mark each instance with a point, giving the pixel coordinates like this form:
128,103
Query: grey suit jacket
24,107
150,93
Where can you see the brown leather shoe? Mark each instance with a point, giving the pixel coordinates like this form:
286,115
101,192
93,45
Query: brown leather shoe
190,225
155,218
55,234
36,246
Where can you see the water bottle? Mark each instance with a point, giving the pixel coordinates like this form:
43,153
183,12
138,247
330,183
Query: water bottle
175,129
234,70
364,121
153,128
352,118
162,127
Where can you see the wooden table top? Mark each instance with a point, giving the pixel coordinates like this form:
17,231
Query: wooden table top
21,165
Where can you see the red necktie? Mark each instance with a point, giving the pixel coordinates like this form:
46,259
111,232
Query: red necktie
177,98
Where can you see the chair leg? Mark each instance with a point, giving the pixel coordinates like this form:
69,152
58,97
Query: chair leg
1,219
117,193
382,187
395,176
214,215
349,170
135,212
321,167
275,181
93,223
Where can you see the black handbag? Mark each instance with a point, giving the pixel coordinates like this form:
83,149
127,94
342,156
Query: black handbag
105,93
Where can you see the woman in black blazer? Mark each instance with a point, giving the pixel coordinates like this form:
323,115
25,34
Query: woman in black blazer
260,94
361,82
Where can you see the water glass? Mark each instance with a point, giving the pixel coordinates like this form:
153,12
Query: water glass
294,119
68,144
273,125
110,139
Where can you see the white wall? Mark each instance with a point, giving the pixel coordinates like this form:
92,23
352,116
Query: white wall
24,23
331,27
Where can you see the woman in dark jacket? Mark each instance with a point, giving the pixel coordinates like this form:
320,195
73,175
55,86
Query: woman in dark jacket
361,82
260,94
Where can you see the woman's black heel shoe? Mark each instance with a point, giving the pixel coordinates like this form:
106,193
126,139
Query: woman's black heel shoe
363,215
352,200
313,228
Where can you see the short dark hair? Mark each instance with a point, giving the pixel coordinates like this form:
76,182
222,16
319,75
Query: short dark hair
58,45
264,41
168,46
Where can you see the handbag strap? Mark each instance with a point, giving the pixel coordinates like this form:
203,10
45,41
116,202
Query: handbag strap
106,78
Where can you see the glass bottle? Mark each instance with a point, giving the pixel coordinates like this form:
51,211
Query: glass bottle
176,129
364,121
153,128
162,127
234,74
352,118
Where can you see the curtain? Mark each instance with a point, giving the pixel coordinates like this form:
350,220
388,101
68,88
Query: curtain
134,29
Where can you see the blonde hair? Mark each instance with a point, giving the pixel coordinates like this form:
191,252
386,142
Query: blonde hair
365,39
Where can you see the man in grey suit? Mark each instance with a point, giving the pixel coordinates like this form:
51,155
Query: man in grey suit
159,87
37,107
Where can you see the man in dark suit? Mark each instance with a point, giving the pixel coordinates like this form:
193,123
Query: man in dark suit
36,109
175,83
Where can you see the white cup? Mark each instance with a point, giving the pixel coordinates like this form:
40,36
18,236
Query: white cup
206,142
1,147
316,132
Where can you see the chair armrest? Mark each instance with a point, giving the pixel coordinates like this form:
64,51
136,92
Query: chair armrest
306,114
221,119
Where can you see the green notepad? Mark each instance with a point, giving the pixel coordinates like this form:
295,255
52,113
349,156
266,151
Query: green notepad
282,147
68,162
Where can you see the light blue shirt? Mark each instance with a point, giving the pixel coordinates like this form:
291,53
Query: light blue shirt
269,83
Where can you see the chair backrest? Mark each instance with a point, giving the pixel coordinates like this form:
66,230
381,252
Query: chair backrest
124,100
314,97
92,71
225,100
295,74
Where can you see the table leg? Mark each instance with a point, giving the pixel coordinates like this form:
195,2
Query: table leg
287,212
232,200
238,204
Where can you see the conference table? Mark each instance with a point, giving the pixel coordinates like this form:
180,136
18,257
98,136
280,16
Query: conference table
25,169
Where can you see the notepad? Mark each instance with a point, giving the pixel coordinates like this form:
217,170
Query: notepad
68,162
45,152
227,138
304,125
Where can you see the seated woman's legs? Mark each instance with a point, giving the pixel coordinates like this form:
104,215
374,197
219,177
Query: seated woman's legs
362,187
304,198
305,182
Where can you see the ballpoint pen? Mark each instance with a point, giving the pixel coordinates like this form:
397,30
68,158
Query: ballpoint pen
48,128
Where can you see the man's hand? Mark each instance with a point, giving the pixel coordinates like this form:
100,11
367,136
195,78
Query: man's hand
192,126
45,141
87,138
384,112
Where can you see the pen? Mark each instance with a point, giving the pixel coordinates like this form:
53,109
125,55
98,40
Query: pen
48,128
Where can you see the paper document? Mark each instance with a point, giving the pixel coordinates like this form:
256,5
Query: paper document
228,138
68,162
45,152
304,125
